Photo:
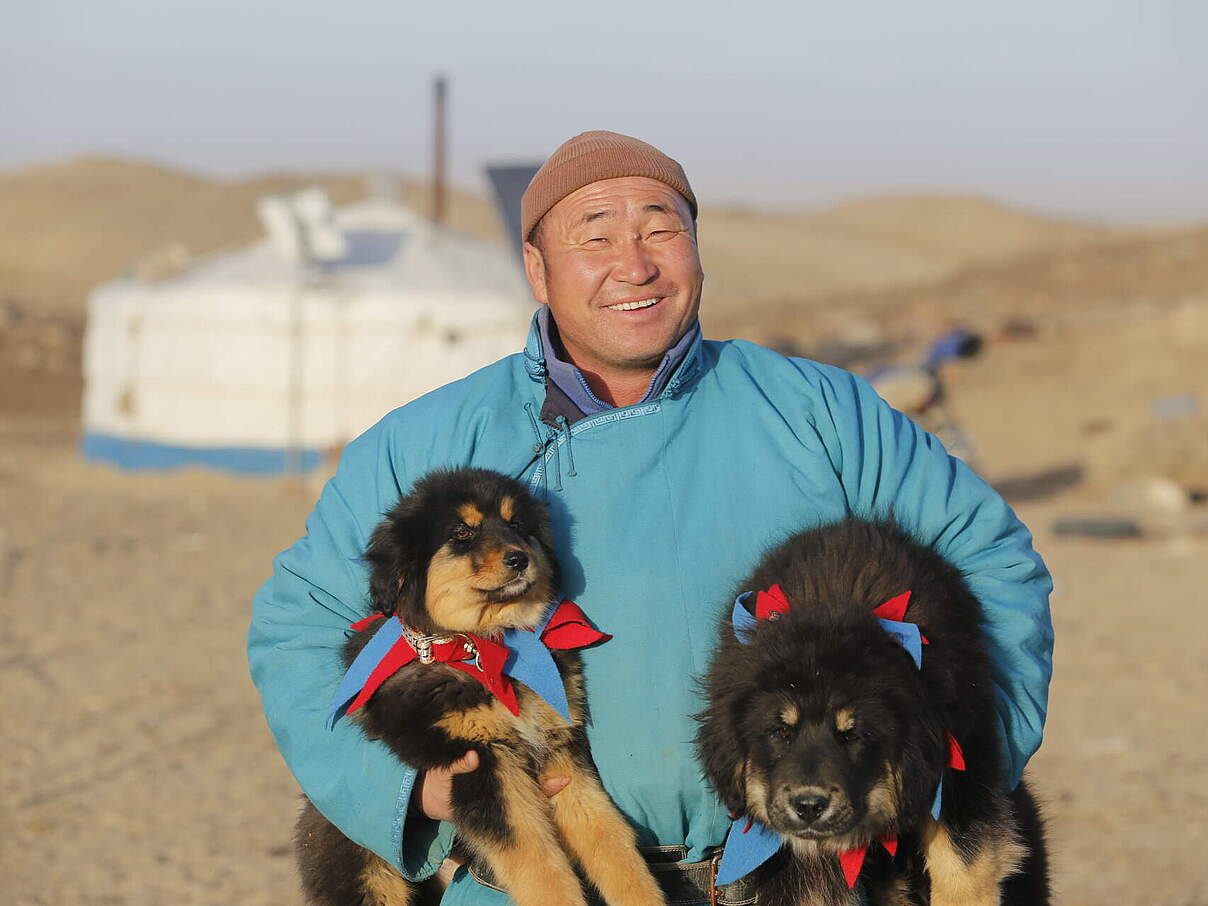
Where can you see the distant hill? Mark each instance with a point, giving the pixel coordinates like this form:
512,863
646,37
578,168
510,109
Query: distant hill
1056,284
868,245
69,225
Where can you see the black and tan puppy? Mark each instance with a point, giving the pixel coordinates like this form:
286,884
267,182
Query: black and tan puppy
822,729
462,558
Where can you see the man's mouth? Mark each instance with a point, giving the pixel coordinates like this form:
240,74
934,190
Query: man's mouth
634,306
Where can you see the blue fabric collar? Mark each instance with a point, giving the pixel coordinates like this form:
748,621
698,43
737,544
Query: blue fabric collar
531,663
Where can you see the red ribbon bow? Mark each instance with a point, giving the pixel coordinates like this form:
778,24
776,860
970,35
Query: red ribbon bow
956,755
853,860
480,658
774,601
568,628
769,602
895,609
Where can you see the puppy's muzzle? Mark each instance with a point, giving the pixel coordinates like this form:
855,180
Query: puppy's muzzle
812,811
516,560
810,804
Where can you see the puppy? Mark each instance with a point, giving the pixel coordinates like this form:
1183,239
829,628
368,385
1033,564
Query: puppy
850,725
462,571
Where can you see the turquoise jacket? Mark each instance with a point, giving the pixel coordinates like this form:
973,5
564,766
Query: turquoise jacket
660,509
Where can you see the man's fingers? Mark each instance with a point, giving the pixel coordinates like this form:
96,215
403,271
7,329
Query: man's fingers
468,762
552,786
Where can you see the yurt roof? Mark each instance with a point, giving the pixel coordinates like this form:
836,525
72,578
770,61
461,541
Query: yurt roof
390,250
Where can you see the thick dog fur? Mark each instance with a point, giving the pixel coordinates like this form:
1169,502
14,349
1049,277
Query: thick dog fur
821,727
447,559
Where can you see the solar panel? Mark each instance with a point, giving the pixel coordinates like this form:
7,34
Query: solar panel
509,183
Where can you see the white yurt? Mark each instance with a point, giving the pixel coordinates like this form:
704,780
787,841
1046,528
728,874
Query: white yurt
269,358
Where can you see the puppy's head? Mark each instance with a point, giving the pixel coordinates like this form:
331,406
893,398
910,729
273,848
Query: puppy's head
821,731
467,550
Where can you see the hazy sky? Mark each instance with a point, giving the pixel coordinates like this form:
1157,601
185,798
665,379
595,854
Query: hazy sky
1091,107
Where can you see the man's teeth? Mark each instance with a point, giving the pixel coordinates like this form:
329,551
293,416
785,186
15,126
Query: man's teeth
632,306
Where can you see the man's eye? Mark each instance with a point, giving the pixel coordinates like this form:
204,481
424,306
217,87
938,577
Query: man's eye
462,532
661,235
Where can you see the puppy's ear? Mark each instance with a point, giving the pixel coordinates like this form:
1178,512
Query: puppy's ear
392,566
722,752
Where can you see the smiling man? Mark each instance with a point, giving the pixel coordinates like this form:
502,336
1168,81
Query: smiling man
616,261
670,464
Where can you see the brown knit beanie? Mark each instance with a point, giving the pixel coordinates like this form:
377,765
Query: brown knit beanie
590,157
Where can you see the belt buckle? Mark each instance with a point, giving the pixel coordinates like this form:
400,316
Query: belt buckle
714,863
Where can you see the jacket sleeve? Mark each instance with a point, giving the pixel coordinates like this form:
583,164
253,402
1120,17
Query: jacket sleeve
300,620
889,466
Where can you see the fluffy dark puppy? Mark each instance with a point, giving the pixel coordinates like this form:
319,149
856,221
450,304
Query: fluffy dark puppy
465,556
820,726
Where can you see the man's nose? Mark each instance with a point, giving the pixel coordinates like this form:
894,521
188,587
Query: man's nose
634,264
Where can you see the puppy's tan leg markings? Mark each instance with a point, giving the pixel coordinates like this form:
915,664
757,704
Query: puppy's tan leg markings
530,864
977,881
600,839
384,884
483,724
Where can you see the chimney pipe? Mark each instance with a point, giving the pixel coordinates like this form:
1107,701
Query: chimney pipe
438,156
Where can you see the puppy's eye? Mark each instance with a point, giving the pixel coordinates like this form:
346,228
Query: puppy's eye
782,733
462,532
517,525
847,737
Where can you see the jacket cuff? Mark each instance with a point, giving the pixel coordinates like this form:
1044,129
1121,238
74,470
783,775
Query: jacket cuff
422,843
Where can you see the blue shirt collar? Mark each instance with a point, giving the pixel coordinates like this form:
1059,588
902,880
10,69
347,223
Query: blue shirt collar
571,382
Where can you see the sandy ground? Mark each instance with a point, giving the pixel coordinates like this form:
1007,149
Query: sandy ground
139,769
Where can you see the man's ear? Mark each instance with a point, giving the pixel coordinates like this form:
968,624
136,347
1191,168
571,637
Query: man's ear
534,269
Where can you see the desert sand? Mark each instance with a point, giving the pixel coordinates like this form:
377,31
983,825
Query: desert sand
138,766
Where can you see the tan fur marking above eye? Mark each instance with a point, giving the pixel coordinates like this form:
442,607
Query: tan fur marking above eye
845,719
507,509
470,515
973,882
789,714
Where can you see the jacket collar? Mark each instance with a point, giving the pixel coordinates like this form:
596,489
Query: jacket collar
684,374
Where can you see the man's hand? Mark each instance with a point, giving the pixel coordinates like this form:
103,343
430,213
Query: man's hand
436,786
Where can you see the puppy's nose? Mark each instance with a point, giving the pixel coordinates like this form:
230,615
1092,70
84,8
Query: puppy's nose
810,805
515,559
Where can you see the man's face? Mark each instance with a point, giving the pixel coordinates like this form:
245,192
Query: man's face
618,267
